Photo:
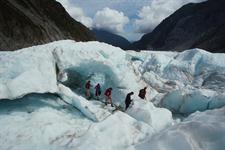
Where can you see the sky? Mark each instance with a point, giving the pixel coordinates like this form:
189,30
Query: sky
128,18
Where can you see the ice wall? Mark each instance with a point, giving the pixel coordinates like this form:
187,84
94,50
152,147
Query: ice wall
27,71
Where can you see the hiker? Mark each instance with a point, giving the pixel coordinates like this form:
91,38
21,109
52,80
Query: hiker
128,100
142,93
97,90
108,96
87,87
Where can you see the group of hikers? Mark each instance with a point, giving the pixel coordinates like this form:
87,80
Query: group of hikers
108,94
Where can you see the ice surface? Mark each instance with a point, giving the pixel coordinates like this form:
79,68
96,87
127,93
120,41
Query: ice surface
39,122
201,130
190,100
158,118
46,122
118,131
186,82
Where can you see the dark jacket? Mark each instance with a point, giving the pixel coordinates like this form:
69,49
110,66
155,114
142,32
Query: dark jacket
97,90
128,99
142,93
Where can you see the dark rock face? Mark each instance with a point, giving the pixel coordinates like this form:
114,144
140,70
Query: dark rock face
110,38
200,25
25,23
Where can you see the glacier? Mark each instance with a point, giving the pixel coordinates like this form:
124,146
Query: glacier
43,105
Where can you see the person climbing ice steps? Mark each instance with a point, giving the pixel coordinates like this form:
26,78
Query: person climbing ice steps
108,96
87,89
97,91
142,93
128,100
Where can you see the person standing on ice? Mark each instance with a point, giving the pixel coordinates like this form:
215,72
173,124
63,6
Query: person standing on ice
142,93
97,90
87,87
108,96
128,100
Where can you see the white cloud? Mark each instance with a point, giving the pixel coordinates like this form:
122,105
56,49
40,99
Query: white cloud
150,16
76,12
110,20
95,14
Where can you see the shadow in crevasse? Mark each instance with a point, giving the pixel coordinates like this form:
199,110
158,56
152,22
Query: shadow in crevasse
96,72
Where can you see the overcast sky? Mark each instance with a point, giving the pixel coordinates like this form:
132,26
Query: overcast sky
129,18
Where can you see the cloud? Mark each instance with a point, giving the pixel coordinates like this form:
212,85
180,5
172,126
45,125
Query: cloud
76,12
128,7
111,15
150,16
110,20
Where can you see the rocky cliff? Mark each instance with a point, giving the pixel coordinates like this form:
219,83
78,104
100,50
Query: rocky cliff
200,25
25,23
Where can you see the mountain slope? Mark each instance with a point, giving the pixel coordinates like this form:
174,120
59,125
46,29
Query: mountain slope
198,25
110,38
25,23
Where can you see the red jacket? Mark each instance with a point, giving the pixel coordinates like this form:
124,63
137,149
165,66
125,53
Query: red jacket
108,92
